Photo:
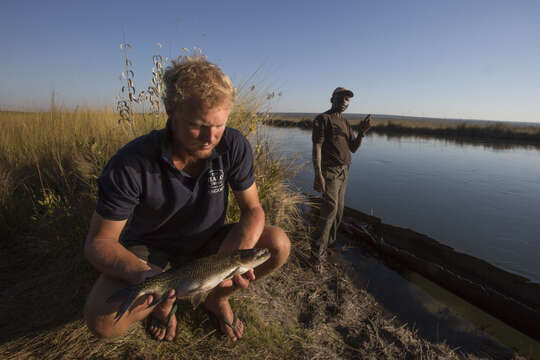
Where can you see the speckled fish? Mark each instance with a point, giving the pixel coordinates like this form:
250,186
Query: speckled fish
193,280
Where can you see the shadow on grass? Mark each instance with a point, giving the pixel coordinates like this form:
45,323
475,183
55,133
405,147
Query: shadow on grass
45,283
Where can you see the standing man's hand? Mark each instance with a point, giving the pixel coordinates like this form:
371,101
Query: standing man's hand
365,125
319,184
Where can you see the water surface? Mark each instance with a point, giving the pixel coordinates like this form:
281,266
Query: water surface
480,199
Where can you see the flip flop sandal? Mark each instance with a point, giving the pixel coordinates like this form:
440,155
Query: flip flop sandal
152,321
216,320
231,325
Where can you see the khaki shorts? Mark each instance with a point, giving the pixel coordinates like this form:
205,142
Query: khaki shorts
166,261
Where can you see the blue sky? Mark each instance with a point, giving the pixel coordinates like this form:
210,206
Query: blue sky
460,59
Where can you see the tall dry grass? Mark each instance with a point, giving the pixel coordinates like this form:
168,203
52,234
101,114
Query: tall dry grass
49,163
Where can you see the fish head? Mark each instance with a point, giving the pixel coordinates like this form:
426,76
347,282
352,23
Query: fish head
251,258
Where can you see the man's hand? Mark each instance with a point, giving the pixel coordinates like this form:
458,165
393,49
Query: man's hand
319,184
139,277
241,281
149,271
364,125
152,271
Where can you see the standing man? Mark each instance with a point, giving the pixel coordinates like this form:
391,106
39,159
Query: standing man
173,185
333,141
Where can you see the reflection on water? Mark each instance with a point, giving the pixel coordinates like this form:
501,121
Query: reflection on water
450,140
437,314
481,200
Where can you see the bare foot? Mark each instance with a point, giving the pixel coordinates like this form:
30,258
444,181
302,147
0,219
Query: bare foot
160,316
222,310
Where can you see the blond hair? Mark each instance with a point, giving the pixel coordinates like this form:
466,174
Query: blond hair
195,78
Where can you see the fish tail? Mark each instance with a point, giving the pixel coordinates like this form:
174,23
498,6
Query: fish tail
128,295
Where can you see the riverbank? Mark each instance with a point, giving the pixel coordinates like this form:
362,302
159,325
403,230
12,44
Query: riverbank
512,298
294,314
460,130
47,195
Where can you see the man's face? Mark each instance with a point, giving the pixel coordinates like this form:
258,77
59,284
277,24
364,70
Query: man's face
197,129
340,101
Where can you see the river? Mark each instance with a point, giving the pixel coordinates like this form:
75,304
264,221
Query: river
479,198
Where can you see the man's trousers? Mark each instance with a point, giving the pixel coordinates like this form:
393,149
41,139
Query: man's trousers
332,204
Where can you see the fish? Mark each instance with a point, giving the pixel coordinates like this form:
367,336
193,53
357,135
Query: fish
193,280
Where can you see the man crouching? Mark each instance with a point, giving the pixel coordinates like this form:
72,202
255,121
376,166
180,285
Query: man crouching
173,185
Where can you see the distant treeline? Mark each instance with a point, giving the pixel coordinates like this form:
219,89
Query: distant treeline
440,128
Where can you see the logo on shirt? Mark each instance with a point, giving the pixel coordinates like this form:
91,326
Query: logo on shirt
216,181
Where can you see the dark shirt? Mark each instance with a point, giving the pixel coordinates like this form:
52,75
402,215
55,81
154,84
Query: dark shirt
168,210
336,136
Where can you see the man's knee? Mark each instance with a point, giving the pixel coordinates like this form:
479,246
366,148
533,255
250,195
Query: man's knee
330,199
98,315
284,244
329,208
96,324
277,241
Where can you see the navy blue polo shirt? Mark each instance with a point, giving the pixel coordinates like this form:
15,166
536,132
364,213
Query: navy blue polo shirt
168,210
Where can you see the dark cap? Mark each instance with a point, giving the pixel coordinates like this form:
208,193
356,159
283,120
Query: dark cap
342,90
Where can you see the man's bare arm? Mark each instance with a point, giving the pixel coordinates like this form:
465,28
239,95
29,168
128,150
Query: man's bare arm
103,250
320,184
247,232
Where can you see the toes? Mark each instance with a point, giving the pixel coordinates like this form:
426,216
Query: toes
228,332
233,334
159,333
156,332
239,329
171,330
